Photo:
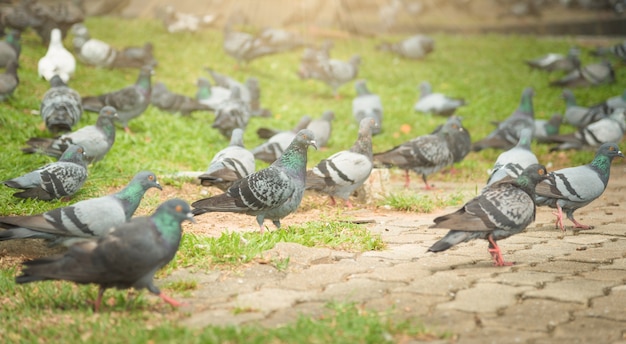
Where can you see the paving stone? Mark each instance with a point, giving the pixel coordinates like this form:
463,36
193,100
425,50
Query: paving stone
586,239
612,306
618,264
574,289
286,316
498,336
318,276
492,296
402,272
451,321
591,330
523,277
535,315
356,290
562,267
400,252
617,276
268,300
605,253
443,283
406,304
221,317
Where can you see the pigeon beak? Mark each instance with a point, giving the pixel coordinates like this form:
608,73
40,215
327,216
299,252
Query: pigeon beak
312,142
620,154
158,186
191,218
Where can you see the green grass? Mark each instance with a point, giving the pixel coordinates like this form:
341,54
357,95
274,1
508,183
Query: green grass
420,203
486,70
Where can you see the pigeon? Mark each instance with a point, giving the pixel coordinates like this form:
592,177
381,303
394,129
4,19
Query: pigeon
514,161
271,150
436,103
551,62
618,50
10,48
609,129
46,16
415,47
547,128
271,193
311,58
459,139
424,154
252,84
280,40
85,219
172,102
581,116
9,80
345,171
136,57
57,60
96,139
616,102
61,107
501,210
58,179
127,256
228,83
250,91
232,113
322,127
175,21
130,101
506,135
242,46
333,72
230,164
593,74
367,105
519,9
574,187
211,95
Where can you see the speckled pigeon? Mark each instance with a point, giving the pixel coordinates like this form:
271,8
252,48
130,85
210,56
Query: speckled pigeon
436,103
345,171
501,210
414,47
127,256
425,154
58,179
459,139
609,129
367,105
232,113
274,147
169,101
271,193
130,101
574,187
551,62
581,116
506,135
592,74
85,219
322,128
96,139
61,107
514,161
57,60
10,48
9,80
230,164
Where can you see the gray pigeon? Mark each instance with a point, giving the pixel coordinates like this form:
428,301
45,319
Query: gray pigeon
592,74
501,210
345,171
61,107
581,116
172,102
547,128
9,80
280,40
618,50
244,47
211,95
96,139
436,103
415,47
230,164
127,256
271,193
227,82
458,138
311,58
514,161
58,179
367,105
322,128
574,187
506,135
615,102
85,219
10,48
333,72
277,144
232,113
130,101
425,154
551,62
609,129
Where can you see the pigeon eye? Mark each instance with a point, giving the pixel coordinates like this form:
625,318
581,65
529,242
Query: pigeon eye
150,177
611,148
179,208
542,172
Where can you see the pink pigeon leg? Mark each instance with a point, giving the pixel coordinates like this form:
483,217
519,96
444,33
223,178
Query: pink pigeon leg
169,300
559,218
407,179
578,224
98,302
427,186
496,253
349,204
332,201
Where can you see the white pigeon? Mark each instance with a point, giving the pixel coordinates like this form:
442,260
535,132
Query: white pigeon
90,50
436,103
57,60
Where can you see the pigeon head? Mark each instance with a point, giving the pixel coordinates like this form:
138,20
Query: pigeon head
361,87
610,150
328,115
175,209
305,138
55,37
75,154
531,176
146,180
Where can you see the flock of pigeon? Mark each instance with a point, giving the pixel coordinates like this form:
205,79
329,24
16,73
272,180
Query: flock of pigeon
103,236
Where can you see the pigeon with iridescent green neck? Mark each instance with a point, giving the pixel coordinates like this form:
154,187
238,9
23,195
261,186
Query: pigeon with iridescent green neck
575,187
85,219
271,193
128,255
10,48
546,128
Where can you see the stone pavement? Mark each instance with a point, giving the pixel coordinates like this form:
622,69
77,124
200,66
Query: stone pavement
564,288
